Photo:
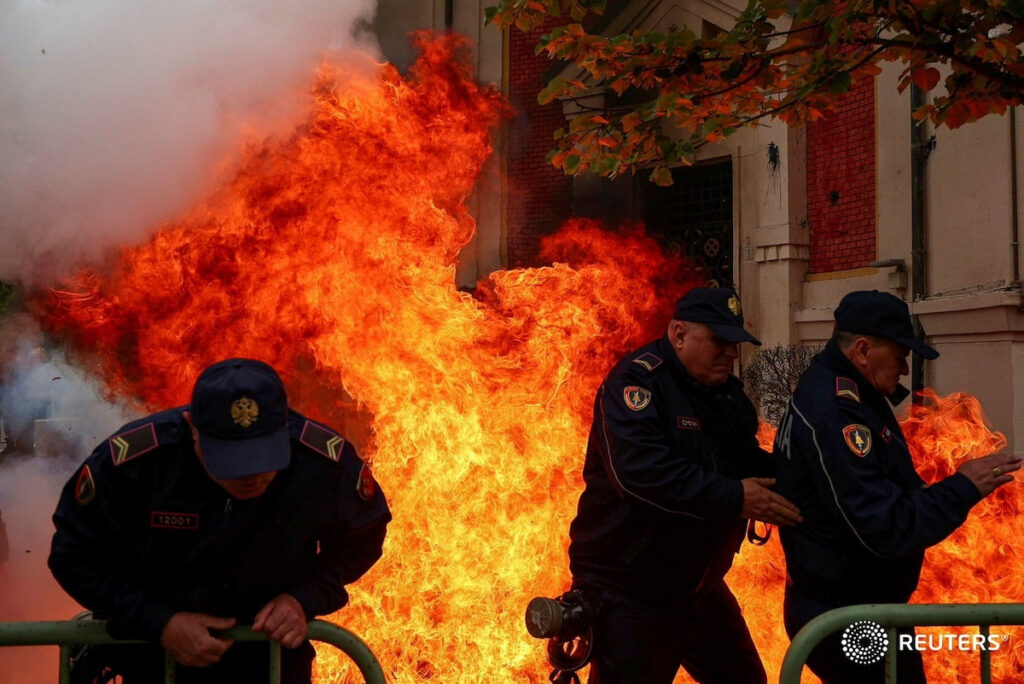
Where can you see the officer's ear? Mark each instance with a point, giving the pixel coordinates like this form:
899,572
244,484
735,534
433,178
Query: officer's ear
187,415
676,332
859,351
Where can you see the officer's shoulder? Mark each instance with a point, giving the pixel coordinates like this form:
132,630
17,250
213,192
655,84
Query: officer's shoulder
316,437
144,436
646,361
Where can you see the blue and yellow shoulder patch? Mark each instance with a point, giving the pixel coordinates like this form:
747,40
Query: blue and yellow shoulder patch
131,444
648,361
321,440
847,387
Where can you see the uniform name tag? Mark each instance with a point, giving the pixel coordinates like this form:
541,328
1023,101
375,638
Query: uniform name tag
174,521
687,423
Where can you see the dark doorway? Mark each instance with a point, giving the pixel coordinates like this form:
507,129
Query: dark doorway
694,217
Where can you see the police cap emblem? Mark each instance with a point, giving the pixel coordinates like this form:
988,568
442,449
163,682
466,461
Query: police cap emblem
245,411
734,305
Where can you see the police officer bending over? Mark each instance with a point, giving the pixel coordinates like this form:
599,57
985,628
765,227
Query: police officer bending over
232,510
672,469
843,459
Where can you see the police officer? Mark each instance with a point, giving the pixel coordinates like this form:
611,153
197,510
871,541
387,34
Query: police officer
672,469
232,510
844,461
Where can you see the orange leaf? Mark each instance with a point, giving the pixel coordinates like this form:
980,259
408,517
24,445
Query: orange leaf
926,78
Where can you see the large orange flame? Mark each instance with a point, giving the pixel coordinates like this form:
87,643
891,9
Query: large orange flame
332,256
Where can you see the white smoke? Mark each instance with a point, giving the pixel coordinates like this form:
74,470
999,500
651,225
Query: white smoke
116,115
51,418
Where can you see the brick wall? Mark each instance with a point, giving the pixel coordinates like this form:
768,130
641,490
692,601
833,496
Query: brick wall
841,178
539,194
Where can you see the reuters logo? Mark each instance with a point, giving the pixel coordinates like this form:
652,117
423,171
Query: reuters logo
864,642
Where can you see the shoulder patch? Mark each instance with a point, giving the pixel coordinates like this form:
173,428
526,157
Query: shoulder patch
321,440
132,444
858,439
648,360
85,487
846,387
366,486
636,398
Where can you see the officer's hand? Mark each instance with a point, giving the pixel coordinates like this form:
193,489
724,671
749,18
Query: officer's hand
990,472
187,638
761,503
283,620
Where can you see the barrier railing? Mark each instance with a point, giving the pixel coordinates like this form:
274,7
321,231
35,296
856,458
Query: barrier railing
892,616
69,633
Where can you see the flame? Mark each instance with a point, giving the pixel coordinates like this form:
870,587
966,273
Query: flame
332,255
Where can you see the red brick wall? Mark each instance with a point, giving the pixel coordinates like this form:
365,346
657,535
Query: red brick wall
841,179
539,195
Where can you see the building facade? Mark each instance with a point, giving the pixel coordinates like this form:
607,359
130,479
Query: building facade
794,217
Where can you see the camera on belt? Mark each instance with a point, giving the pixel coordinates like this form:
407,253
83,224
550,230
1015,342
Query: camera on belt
567,623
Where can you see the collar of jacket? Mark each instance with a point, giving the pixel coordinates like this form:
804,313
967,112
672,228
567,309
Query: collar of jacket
837,359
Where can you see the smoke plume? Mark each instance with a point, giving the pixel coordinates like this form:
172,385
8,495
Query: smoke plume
116,115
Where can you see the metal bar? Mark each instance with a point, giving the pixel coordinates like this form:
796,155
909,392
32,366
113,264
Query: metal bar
64,674
986,657
46,633
275,663
890,657
352,646
170,669
892,615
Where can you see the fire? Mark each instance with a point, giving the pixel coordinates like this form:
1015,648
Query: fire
331,255
976,564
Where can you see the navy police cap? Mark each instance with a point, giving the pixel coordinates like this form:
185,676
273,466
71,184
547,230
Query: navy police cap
718,308
240,409
882,315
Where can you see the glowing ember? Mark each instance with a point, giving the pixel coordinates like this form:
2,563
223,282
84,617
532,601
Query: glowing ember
332,256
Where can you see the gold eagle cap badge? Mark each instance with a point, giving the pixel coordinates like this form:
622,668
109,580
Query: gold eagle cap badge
245,411
734,305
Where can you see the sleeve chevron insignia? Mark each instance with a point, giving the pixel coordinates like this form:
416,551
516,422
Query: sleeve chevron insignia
323,441
132,444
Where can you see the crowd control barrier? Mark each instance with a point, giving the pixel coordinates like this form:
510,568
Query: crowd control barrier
69,634
892,616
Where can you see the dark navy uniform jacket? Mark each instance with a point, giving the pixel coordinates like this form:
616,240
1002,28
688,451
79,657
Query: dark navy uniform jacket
868,517
659,518
143,532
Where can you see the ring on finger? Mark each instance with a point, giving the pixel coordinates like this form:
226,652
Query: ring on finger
997,471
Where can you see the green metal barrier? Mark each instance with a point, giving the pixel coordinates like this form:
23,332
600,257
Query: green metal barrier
74,632
892,616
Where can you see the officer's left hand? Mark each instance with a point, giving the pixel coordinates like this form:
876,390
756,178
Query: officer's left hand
283,621
761,503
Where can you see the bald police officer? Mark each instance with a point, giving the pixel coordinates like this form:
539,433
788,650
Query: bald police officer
235,509
672,470
844,461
